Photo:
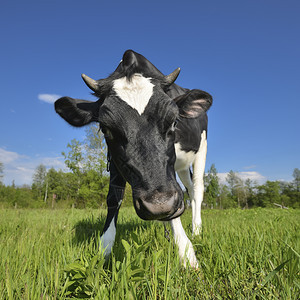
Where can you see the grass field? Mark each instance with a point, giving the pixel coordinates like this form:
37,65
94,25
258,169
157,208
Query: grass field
243,254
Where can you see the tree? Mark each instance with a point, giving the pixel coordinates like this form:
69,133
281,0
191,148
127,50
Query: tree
249,189
296,181
87,161
233,182
267,194
290,191
1,172
39,185
74,158
57,188
226,200
238,188
96,183
212,187
231,179
241,192
96,150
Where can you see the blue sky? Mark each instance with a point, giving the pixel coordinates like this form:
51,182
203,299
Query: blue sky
245,53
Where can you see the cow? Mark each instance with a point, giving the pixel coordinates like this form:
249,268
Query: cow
152,127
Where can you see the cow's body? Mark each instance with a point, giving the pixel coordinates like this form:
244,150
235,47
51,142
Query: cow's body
137,113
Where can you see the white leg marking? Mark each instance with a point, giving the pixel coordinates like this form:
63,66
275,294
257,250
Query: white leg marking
185,247
108,238
182,167
186,179
198,168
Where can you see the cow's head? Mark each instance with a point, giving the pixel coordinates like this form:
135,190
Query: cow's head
138,120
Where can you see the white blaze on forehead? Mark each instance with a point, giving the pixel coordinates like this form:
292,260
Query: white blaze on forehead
136,92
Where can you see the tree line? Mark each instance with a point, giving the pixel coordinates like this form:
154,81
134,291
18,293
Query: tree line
247,193
85,183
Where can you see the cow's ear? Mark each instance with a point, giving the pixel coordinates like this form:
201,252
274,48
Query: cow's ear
193,103
77,112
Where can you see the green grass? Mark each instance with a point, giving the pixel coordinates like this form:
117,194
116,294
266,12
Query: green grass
243,254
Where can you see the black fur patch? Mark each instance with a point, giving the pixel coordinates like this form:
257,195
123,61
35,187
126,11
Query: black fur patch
77,112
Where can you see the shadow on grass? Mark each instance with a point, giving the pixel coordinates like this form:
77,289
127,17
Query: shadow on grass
88,230
130,227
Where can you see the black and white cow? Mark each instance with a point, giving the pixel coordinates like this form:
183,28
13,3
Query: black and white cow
152,127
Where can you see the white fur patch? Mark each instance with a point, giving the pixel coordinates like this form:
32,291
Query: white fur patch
185,247
108,238
136,92
183,159
199,167
196,187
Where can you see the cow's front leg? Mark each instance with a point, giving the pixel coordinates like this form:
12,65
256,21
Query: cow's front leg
198,184
185,247
114,201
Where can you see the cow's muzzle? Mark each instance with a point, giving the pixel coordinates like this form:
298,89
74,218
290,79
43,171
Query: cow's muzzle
158,206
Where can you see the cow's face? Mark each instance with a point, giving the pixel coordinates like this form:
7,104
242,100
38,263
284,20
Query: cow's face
138,120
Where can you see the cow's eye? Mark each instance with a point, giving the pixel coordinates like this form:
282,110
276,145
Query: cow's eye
172,128
174,124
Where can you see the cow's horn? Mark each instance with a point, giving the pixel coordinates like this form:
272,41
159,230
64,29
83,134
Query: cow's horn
91,83
173,76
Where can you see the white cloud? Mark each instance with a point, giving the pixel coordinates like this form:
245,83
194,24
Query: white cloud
252,175
222,177
55,162
20,168
7,157
249,167
48,98
20,175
